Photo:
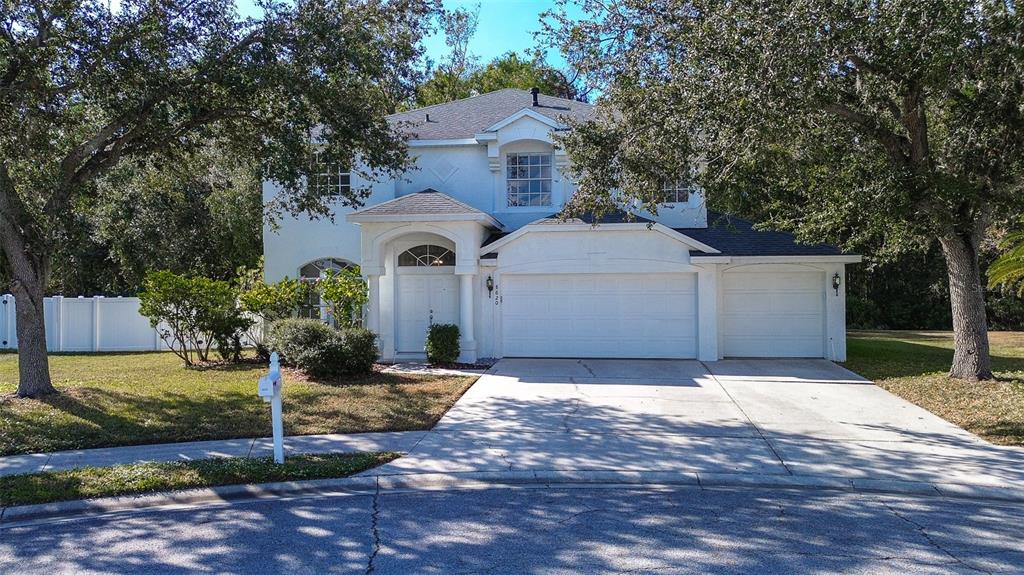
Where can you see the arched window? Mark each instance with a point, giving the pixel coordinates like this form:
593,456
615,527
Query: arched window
314,307
427,255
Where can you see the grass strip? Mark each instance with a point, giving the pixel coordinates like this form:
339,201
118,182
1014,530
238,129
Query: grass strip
137,478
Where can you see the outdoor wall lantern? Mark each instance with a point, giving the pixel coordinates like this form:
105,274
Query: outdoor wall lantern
490,286
836,281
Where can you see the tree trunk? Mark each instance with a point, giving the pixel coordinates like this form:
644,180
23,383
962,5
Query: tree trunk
33,363
971,358
29,263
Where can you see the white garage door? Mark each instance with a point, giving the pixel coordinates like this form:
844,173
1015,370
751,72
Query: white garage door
600,315
773,314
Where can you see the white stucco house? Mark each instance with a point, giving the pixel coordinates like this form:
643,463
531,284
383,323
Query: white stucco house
470,237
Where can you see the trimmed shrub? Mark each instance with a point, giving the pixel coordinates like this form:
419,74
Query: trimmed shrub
191,313
321,350
442,343
360,350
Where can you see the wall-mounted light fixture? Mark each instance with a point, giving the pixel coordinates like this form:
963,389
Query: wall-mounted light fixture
490,286
836,282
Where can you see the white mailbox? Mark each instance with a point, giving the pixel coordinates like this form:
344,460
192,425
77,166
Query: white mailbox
265,388
269,388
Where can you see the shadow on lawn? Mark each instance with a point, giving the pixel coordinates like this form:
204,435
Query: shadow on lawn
88,417
885,358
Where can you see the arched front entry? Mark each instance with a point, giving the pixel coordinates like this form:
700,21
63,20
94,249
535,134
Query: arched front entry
426,291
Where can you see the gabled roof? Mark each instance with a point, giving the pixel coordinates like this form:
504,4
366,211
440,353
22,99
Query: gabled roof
426,205
728,235
470,116
737,237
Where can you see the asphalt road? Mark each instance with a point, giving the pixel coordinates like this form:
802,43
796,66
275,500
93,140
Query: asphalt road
542,531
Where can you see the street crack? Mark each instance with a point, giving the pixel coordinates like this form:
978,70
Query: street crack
375,530
927,537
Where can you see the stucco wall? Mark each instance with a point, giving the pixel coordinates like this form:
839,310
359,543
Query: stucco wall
298,240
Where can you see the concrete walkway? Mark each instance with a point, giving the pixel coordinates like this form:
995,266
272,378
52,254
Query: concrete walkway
400,441
678,419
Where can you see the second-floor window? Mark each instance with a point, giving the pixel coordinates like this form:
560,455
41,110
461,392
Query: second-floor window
676,192
328,178
528,178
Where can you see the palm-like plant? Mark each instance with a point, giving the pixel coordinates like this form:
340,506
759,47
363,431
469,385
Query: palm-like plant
1008,269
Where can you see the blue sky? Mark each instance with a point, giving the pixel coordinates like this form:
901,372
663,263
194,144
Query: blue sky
505,25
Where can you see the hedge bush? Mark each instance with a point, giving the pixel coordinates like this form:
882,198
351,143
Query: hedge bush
442,343
191,313
321,350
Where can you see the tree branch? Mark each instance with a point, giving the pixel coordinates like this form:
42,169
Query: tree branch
894,144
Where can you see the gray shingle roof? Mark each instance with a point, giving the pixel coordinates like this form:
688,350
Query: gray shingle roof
730,235
426,202
737,237
615,217
470,116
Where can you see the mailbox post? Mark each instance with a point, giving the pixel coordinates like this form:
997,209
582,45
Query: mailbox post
269,388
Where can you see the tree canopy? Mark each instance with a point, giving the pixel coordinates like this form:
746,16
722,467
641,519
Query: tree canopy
458,75
898,123
86,85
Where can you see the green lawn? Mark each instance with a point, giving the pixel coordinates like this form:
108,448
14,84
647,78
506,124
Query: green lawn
90,482
913,365
142,398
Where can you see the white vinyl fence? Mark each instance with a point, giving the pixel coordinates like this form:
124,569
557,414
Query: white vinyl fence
86,324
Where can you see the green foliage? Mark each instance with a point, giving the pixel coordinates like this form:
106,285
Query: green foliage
191,313
201,214
361,351
346,292
321,350
1008,269
442,343
891,124
507,71
266,303
88,85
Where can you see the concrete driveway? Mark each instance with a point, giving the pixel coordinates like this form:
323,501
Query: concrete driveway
801,418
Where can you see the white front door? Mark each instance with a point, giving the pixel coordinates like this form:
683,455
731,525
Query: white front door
424,298
600,315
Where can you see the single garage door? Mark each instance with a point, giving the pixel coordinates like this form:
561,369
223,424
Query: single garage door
772,314
600,315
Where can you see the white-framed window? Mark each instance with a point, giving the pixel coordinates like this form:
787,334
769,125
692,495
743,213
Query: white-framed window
426,255
329,178
528,179
676,192
314,307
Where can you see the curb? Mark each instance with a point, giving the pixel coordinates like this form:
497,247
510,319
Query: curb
370,484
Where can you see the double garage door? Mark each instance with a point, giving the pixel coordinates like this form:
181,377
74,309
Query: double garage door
600,315
655,315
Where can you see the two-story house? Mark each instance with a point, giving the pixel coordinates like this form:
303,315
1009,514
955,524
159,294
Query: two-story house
471,237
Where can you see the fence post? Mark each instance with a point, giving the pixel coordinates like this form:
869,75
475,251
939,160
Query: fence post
96,301
58,312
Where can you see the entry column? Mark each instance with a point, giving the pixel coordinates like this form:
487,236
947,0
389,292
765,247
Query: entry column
373,304
467,302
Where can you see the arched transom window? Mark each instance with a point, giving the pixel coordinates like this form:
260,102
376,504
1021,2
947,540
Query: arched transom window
316,269
427,255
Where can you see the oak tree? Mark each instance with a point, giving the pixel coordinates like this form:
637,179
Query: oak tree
895,121
88,84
